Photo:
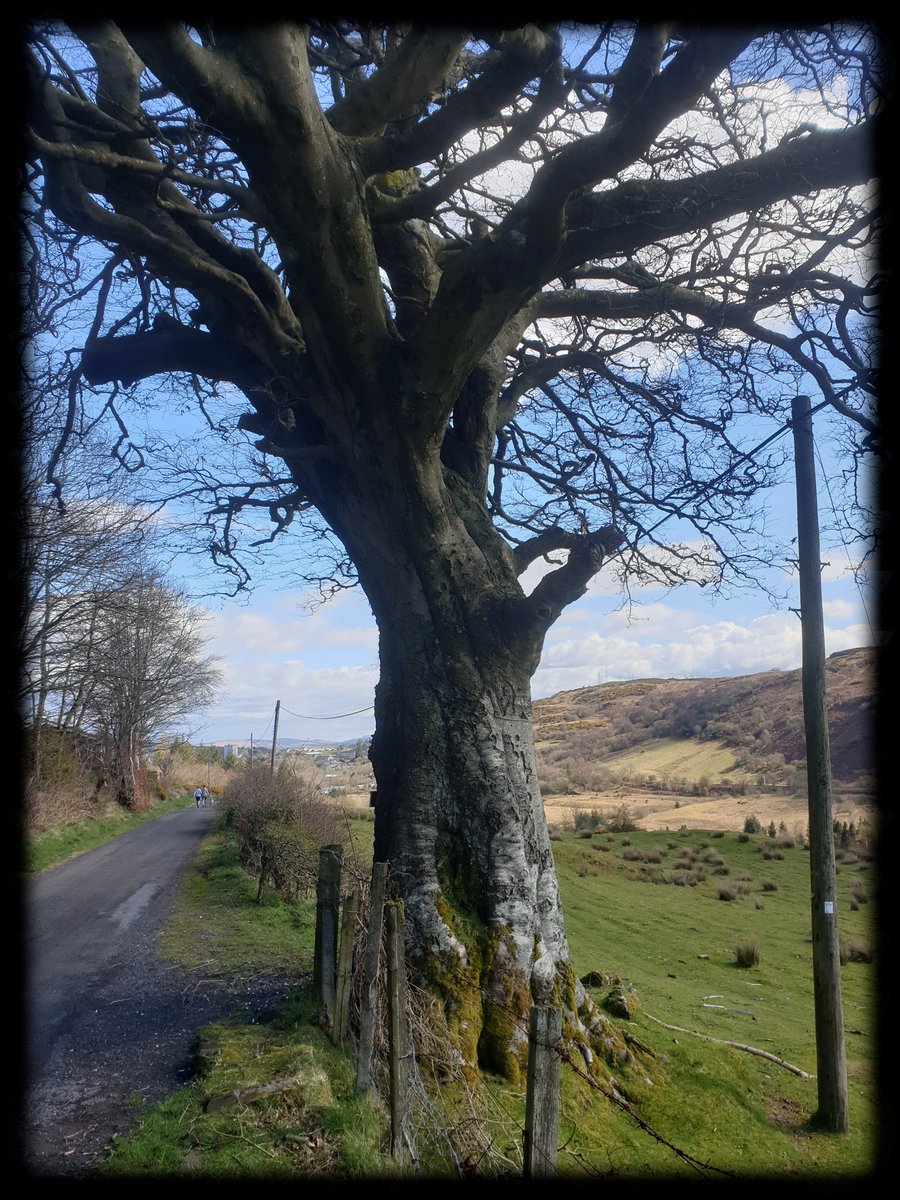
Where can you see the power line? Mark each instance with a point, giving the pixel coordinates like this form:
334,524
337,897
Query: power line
335,717
745,456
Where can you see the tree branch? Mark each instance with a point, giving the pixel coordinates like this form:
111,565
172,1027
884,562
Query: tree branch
128,358
523,54
569,582
410,74
638,212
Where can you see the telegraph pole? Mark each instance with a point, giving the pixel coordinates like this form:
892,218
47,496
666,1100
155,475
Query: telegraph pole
831,1072
274,737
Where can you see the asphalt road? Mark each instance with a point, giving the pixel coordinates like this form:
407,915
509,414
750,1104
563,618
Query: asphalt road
108,1025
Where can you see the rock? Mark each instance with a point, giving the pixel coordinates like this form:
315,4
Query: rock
597,979
621,1002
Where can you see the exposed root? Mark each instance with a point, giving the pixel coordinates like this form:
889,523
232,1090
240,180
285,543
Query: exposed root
736,1046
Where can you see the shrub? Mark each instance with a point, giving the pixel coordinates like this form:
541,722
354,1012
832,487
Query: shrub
620,821
746,953
280,824
743,837
727,891
752,824
852,951
768,885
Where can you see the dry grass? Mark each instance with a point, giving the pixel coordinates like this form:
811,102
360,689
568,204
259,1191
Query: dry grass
655,810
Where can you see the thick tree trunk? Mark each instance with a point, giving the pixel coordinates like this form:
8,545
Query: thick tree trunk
458,813
459,818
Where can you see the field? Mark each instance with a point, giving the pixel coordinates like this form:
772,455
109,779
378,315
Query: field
662,811
645,907
676,946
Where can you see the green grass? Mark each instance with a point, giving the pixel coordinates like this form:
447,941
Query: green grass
217,921
56,845
741,1115
318,1128
676,946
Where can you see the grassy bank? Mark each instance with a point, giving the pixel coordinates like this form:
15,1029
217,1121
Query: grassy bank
56,845
738,1114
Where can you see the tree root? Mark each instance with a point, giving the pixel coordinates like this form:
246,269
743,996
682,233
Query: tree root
736,1046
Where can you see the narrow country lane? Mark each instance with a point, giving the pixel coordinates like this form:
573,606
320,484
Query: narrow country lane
108,1024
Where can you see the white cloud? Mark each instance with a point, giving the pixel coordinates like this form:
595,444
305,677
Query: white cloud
670,643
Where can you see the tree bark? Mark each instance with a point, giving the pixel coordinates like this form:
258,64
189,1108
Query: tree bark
459,815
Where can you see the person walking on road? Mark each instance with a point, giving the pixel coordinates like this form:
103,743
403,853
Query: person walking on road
198,796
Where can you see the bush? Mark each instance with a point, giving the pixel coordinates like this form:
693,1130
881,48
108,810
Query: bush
619,821
746,953
851,951
769,885
280,824
752,824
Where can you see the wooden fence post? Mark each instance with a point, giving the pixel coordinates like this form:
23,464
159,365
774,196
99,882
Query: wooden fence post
542,1095
328,899
399,1049
345,967
368,1010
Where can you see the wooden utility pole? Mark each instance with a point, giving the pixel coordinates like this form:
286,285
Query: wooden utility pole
275,737
831,1068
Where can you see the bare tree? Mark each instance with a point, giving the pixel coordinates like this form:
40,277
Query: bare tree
480,296
147,669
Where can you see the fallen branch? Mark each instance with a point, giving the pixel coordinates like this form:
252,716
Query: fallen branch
735,1046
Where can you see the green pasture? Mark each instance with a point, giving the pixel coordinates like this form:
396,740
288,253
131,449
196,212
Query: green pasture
703,1109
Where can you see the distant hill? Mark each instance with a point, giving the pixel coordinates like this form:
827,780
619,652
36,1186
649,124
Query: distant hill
748,727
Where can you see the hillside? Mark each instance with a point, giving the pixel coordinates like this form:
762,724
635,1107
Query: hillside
702,736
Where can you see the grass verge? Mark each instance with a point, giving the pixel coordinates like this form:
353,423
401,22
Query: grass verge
56,845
